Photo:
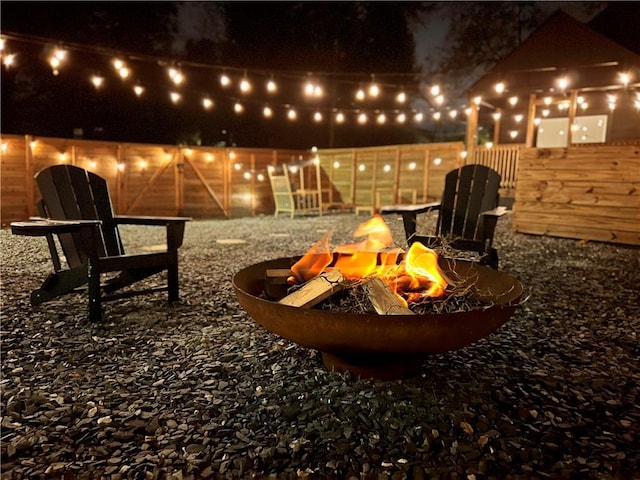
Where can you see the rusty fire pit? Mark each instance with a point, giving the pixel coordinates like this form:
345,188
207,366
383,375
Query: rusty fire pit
381,346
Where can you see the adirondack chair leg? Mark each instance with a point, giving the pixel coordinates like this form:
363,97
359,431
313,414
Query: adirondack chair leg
59,283
409,220
95,300
172,282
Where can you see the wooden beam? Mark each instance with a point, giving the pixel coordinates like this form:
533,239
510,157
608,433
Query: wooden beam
531,117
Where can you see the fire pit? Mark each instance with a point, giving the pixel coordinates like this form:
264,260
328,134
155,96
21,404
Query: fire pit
382,346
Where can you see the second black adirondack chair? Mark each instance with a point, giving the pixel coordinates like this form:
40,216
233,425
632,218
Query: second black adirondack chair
468,213
76,207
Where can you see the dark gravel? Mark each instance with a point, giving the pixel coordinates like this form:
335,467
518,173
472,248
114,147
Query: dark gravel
199,390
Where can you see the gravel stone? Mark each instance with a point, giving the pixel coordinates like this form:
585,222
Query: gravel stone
199,390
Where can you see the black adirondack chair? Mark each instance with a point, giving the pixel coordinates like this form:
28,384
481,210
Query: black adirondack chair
76,207
468,213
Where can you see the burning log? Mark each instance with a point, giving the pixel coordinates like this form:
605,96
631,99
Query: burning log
276,282
315,290
384,300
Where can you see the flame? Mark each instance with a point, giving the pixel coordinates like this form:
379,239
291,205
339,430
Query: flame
412,279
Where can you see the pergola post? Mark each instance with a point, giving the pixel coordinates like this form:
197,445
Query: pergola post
572,116
531,118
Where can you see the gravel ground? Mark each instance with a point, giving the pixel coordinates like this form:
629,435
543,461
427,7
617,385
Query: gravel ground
199,390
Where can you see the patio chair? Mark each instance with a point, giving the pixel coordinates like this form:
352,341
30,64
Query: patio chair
468,213
76,208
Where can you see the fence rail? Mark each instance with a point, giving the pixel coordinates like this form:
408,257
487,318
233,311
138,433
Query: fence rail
503,159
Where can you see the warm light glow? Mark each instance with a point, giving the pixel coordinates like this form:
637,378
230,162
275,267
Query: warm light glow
97,81
245,86
563,83
381,119
513,101
225,81
401,118
143,164
374,90
499,87
120,167
209,158
117,63
453,114
401,97
412,166
238,108
513,133
247,175
547,100
437,161
496,116
4,147
518,118
362,167
489,144
207,103
260,177
271,86
545,112
138,90
360,95
387,168
267,112
9,60
536,121
292,114
175,97
176,76
624,78
339,117
418,117
237,166
317,117
463,154
124,73
436,116
477,100
336,164
439,99
62,157
362,118
435,90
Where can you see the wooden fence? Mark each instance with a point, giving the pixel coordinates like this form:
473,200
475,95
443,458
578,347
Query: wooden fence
590,193
205,182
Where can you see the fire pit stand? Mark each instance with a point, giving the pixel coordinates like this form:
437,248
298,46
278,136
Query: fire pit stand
382,346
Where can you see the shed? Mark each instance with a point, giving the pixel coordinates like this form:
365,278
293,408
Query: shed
566,84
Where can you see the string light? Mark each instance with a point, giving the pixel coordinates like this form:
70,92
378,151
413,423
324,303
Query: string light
267,112
207,103
97,81
138,90
225,81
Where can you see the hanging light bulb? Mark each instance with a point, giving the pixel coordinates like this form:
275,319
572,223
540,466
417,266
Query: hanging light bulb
418,117
207,103
245,85
518,118
317,117
225,81
271,86
138,90
496,116
513,101
624,78
9,60
401,97
435,90
381,119
563,83
292,114
436,116
439,99
401,117
477,100
362,118
175,97
513,134
238,108
267,112
453,114
499,87
339,117
360,95
97,81
374,90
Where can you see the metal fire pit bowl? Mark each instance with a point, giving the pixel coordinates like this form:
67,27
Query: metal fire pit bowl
382,346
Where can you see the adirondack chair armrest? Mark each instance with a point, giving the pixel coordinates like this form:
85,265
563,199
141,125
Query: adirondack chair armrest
490,220
40,227
410,213
175,226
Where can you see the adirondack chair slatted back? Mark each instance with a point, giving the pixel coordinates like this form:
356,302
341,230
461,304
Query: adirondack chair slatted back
71,193
468,191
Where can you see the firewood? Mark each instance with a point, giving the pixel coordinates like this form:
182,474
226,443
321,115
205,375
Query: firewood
384,300
276,282
315,290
